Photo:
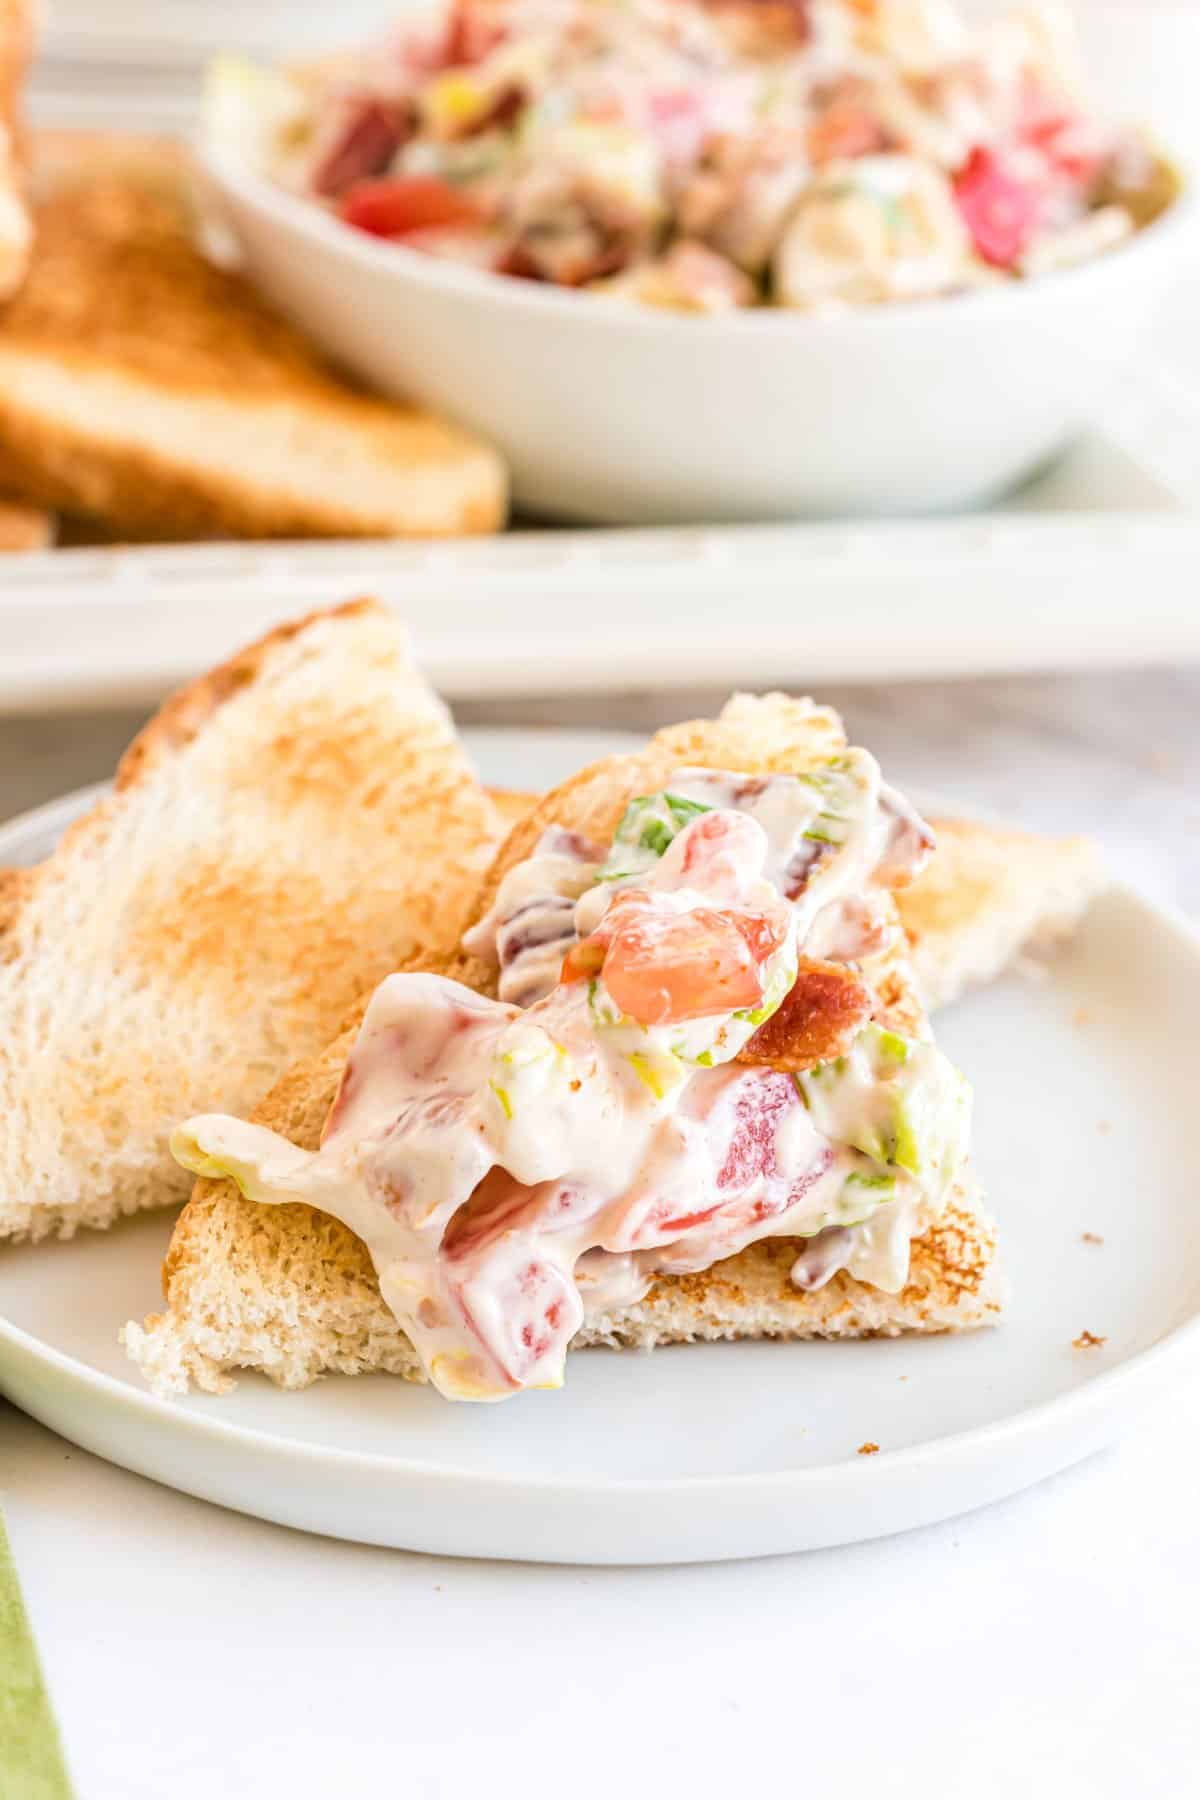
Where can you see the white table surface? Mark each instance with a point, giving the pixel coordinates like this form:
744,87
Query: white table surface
1048,1645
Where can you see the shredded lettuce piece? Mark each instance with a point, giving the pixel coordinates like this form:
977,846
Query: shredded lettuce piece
649,826
778,989
861,1195
841,800
897,1100
660,1071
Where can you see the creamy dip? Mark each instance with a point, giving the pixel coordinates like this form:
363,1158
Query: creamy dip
515,1164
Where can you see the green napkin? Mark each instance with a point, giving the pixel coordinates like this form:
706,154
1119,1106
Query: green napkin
31,1758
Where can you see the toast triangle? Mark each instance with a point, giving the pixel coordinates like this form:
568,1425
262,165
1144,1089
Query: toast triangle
280,835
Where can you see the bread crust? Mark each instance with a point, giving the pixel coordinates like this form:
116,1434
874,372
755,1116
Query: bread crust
185,713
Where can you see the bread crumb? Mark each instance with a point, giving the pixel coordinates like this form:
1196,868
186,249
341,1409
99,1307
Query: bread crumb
1091,1237
1087,1340
1105,1127
868,1449
1081,1016
903,1377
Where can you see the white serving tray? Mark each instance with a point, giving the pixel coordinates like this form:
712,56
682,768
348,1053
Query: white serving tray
1092,564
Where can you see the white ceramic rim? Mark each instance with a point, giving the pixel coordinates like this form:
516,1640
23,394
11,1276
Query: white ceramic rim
231,173
958,1449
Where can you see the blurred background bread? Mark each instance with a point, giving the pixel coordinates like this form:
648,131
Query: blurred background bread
147,389
16,45
185,942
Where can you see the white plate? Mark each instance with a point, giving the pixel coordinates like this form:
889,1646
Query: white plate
1085,1102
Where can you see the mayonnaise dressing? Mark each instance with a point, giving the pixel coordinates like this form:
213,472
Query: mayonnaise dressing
511,1170
531,923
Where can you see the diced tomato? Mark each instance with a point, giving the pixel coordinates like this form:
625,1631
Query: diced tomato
1073,146
763,936
661,1224
522,1315
541,1315
664,967
1073,150
743,1113
1000,211
369,136
501,1202
497,1203
406,203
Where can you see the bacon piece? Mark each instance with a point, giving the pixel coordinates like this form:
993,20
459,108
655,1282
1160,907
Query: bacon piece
824,1011
370,135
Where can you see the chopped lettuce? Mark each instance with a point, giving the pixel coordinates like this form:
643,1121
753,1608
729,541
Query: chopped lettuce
841,791
649,825
659,1070
778,989
862,1193
895,1099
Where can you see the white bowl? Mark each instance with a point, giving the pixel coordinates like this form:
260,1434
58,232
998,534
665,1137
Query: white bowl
623,415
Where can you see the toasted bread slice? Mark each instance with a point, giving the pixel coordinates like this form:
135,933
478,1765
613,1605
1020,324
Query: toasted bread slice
18,31
292,1292
143,386
16,230
282,834
157,161
988,896
25,527
512,805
